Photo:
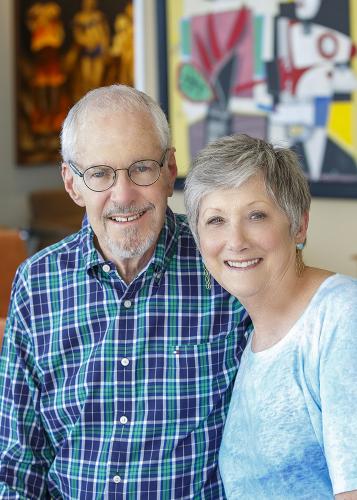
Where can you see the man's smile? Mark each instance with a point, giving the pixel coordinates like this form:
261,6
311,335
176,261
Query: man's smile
127,218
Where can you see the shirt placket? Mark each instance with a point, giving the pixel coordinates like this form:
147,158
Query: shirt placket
124,382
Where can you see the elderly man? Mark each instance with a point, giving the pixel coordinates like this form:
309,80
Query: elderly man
120,351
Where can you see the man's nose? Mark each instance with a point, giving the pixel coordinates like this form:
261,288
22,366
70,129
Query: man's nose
123,186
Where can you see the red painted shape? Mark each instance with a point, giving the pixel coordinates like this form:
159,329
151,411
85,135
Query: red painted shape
238,28
204,58
216,51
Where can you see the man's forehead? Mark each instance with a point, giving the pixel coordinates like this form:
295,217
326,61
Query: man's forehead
116,116
106,137
133,125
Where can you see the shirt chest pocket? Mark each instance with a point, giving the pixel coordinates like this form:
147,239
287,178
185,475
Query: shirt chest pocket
191,382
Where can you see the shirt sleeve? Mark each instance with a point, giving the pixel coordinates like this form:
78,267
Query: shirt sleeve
25,454
338,388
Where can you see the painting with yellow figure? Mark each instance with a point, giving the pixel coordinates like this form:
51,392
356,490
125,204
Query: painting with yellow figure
64,49
91,35
282,70
122,48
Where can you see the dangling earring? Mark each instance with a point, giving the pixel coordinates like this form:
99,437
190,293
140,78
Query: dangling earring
207,278
300,266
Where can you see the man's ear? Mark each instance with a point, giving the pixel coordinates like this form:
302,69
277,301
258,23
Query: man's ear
172,170
304,223
71,186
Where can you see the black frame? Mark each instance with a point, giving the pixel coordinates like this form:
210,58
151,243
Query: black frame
163,70
319,189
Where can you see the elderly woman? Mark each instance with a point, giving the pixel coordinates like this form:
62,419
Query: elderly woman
291,430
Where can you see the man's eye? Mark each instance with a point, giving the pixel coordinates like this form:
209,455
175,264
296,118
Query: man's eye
140,168
100,173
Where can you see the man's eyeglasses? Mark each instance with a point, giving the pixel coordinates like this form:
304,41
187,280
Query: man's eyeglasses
101,177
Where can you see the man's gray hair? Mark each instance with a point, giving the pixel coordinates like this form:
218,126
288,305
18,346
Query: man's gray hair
112,99
230,161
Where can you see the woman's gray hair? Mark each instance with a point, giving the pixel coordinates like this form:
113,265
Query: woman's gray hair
230,161
112,99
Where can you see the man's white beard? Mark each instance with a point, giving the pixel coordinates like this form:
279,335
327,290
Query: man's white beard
131,245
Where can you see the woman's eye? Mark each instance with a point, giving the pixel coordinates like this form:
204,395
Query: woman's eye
214,220
257,216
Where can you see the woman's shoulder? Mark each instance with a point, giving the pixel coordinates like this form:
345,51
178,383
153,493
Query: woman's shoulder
335,300
325,283
338,285
330,321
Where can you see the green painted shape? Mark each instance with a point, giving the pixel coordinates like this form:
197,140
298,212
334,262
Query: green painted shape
193,84
186,46
259,68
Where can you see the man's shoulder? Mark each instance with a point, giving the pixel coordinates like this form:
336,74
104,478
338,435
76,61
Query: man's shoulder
185,240
68,246
182,224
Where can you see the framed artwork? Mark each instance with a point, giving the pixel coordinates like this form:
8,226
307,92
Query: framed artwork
63,49
285,71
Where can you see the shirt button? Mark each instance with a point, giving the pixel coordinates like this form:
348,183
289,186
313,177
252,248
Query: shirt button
127,303
116,479
123,420
106,268
125,361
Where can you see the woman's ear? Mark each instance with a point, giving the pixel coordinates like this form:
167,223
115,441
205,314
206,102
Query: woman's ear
71,185
304,223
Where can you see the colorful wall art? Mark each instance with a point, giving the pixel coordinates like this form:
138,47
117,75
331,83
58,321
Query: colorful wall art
281,70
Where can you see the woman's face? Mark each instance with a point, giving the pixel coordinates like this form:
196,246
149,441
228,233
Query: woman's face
245,240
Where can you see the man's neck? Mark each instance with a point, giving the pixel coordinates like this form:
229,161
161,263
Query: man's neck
129,269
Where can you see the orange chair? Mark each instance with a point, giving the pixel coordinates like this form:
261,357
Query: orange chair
13,251
2,329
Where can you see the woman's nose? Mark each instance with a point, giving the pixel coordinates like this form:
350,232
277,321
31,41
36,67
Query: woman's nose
237,238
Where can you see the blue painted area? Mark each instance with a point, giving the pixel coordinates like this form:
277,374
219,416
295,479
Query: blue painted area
322,105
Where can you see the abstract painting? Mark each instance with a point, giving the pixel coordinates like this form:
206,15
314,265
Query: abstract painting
280,70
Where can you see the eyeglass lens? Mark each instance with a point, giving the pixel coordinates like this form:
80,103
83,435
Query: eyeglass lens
142,173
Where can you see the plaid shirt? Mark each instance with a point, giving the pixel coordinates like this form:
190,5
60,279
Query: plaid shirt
116,391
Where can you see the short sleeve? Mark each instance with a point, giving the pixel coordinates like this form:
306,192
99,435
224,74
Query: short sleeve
338,386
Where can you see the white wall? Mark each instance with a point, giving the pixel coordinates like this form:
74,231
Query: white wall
332,236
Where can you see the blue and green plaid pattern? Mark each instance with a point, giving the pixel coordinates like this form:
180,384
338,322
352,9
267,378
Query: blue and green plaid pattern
115,391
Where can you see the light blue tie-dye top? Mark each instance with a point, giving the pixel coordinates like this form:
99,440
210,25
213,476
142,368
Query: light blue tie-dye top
291,431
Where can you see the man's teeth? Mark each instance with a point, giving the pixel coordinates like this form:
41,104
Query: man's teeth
129,218
245,263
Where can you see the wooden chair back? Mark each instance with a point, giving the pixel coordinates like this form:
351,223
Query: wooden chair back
13,251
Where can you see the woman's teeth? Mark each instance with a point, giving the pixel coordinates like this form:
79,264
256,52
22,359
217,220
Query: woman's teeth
242,264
